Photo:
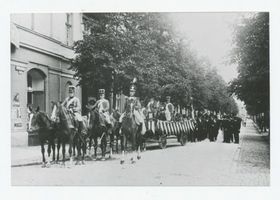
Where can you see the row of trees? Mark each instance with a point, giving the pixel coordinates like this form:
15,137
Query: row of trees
120,46
251,54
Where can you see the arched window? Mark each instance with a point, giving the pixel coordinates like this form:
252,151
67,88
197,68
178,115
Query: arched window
68,83
36,89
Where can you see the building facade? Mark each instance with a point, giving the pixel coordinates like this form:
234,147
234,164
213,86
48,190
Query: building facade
41,49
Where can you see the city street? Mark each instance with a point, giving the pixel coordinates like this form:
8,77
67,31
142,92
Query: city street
196,164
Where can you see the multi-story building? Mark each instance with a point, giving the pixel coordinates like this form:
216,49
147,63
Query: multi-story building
41,49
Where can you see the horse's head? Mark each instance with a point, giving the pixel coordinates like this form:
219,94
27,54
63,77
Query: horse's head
37,120
116,114
55,112
93,116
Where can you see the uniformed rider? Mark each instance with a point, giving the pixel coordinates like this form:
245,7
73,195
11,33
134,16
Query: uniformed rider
103,107
73,105
169,109
133,102
151,108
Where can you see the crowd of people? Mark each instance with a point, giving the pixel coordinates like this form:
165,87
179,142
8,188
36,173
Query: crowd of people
206,124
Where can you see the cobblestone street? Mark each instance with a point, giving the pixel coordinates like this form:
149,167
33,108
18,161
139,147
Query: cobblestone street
202,163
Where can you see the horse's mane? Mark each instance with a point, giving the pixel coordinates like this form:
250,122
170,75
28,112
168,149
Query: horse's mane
44,116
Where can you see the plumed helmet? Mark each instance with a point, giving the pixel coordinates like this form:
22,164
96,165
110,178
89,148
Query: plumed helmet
132,88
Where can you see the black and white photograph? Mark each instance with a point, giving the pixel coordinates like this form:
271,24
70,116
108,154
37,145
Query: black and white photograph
140,98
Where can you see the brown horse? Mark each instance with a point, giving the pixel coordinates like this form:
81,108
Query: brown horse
132,133
65,130
114,130
97,130
39,122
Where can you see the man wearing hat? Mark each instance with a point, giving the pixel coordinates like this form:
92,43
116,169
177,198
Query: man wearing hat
151,108
169,109
103,107
133,102
73,105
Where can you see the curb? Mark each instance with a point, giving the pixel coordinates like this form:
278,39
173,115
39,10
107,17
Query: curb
31,163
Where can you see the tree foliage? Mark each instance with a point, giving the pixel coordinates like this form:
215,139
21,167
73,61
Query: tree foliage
121,46
251,54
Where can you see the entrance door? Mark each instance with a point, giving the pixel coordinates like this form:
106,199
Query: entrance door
36,89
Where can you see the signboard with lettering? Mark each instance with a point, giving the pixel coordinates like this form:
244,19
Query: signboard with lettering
16,113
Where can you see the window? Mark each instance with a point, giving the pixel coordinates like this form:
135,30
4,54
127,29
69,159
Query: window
69,29
85,27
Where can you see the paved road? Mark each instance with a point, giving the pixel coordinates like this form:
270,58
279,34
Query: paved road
203,163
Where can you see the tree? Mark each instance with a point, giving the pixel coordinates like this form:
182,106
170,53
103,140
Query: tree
251,54
121,46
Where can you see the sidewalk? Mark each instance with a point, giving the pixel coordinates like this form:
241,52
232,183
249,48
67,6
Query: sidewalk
252,162
23,156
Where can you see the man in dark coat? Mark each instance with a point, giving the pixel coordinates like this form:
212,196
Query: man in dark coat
236,130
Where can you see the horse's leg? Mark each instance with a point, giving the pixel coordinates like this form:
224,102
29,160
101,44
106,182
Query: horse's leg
111,144
138,145
123,146
74,146
53,149
117,143
49,155
103,145
84,146
71,141
58,148
134,147
63,152
95,147
43,154
89,144
78,140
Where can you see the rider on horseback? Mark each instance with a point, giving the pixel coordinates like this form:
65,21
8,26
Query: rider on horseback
133,102
103,107
73,105
169,109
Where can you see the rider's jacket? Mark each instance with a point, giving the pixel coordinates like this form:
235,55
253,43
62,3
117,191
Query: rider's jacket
103,105
132,103
169,109
72,103
151,107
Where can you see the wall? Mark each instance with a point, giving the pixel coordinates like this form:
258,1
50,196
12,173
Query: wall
42,39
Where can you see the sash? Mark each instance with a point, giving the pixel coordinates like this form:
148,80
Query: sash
69,102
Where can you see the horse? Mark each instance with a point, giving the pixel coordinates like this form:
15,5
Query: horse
130,132
114,130
97,130
65,130
39,122
80,140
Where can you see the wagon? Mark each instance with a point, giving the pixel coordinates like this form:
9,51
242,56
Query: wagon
159,131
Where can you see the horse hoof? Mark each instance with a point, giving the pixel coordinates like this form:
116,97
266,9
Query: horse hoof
133,162
83,162
43,165
48,165
103,159
122,162
138,157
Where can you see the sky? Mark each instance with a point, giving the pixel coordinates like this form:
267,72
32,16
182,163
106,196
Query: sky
210,35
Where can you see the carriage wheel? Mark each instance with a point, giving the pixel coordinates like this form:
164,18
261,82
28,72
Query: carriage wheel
162,141
183,139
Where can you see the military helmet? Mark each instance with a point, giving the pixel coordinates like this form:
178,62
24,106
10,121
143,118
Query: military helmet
101,91
132,88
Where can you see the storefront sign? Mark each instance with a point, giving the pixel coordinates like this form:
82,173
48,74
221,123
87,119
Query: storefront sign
16,114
